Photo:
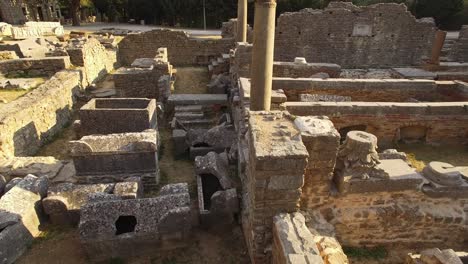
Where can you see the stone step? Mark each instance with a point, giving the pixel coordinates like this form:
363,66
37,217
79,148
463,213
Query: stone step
189,108
197,123
197,99
188,116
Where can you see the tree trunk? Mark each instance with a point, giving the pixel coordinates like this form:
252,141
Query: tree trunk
75,12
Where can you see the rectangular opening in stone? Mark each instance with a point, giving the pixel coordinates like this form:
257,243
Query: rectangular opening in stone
125,224
210,185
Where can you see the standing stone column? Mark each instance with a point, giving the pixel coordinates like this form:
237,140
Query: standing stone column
262,57
439,41
241,21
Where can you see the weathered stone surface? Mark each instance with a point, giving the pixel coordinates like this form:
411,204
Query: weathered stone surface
225,202
323,98
445,180
434,256
415,73
177,188
35,67
180,144
117,115
372,34
128,190
37,29
64,201
14,239
135,153
218,137
217,165
12,183
30,121
392,154
156,221
292,241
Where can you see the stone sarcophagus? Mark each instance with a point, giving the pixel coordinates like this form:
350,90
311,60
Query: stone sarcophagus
136,227
116,157
117,115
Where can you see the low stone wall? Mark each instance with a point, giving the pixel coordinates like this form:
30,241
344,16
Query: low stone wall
96,60
243,58
439,122
182,49
35,67
374,90
32,120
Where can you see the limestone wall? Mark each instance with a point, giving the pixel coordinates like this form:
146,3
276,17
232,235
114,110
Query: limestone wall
459,52
444,122
182,49
35,67
96,60
374,90
32,120
379,35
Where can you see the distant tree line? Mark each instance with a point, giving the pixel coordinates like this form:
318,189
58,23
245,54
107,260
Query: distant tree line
189,13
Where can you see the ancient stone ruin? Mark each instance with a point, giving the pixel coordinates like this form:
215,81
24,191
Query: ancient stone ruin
313,137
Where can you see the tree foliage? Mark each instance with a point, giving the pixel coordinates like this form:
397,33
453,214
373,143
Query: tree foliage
189,13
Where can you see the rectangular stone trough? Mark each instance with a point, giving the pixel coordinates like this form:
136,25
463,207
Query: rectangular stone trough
117,115
115,157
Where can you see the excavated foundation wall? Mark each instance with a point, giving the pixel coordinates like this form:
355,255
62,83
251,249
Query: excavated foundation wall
182,49
380,35
445,123
375,90
35,67
34,119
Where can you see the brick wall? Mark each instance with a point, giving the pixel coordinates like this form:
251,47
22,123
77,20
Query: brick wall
32,120
374,90
182,49
378,35
35,67
445,122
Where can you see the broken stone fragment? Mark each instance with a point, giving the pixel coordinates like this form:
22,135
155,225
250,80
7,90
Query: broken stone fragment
217,165
128,190
445,174
225,202
358,156
218,137
174,189
392,154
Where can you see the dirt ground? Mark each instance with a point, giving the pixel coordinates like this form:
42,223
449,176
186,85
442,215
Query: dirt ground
421,154
205,247
191,80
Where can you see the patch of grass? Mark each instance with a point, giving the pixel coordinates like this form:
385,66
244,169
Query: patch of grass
366,253
50,234
419,155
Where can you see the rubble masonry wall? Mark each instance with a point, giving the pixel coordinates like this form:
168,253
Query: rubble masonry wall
460,51
32,120
182,49
35,67
380,35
